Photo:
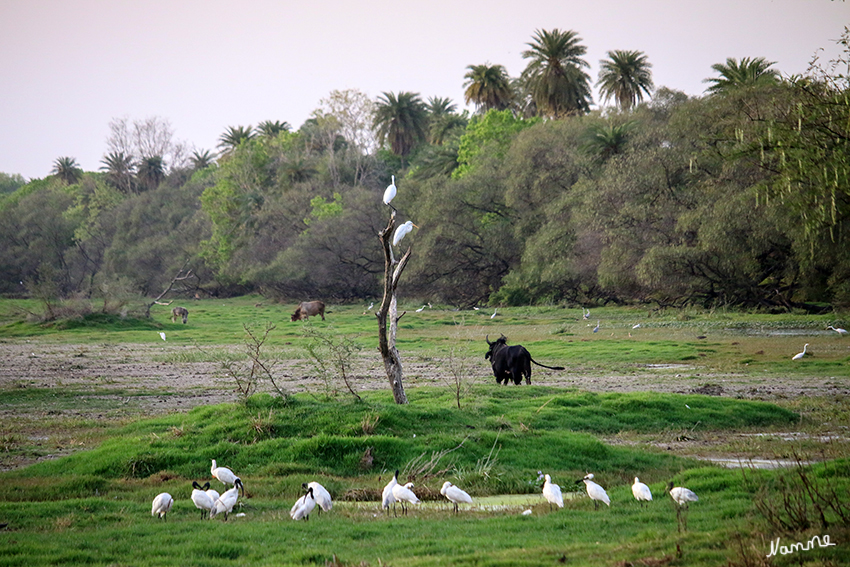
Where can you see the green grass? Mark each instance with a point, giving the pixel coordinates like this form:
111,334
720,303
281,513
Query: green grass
93,507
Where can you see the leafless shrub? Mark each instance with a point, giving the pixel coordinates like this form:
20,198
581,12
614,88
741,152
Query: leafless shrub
332,356
461,376
259,367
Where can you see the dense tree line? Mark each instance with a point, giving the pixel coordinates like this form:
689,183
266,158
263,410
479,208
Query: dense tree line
738,197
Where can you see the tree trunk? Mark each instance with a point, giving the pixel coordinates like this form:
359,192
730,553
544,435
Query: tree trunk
388,312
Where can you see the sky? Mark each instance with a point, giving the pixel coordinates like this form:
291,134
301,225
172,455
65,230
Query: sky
69,67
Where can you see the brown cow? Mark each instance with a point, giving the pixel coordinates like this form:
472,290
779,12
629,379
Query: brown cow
309,309
181,312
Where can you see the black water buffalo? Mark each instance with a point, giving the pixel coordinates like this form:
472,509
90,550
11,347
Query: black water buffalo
309,309
511,362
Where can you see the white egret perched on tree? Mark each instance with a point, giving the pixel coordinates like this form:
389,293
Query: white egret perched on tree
390,193
800,355
402,231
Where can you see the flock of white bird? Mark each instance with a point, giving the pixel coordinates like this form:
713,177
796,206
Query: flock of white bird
552,492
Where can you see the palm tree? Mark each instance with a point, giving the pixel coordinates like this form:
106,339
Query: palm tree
442,119
554,75
606,141
119,168
400,120
488,86
202,159
67,169
747,73
233,136
625,76
271,129
151,171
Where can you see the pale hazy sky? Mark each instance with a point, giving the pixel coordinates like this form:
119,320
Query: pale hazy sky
68,67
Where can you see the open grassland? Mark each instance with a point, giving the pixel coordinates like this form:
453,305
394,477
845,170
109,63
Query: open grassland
106,415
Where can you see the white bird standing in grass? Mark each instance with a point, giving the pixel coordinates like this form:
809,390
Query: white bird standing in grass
303,506
552,493
390,193
203,501
212,493
225,503
839,330
421,309
226,476
641,492
586,313
404,494
320,493
402,231
455,495
161,505
493,316
387,497
596,328
596,492
681,496
800,355
162,335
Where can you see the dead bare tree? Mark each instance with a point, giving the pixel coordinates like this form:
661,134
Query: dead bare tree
181,276
387,314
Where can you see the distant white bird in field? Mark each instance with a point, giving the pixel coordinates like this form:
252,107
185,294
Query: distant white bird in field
162,335
202,500
226,476
493,316
800,355
404,494
402,231
839,330
161,505
304,505
420,309
371,305
320,493
586,313
387,497
476,308
596,328
390,193
680,495
641,492
596,492
552,492
225,503
636,326
455,495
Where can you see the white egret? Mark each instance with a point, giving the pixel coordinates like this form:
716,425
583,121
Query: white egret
307,503
455,495
839,330
596,492
404,494
402,231
636,326
390,193
641,492
387,497
421,309
681,496
161,505
552,492
800,355
162,335
371,305
225,503
596,328
320,493
202,500
586,313
493,316
226,476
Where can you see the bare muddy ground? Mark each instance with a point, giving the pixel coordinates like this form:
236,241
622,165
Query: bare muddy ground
142,380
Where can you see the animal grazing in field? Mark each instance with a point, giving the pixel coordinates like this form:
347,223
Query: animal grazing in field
161,505
309,309
225,503
511,362
181,312
455,495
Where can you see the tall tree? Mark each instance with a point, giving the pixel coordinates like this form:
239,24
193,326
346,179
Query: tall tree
400,121
233,136
747,73
625,76
67,169
554,73
442,119
151,172
488,86
270,129
202,159
120,170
